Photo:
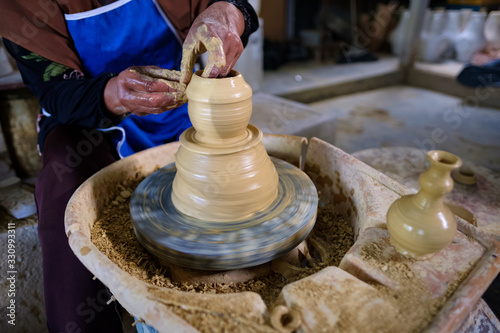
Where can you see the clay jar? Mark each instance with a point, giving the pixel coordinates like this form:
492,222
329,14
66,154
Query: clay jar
223,171
421,224
492,29
451,31
471,40
398,36
433,42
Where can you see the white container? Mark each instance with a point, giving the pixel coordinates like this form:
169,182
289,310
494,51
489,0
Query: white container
492,29
451,31
438,22
465,15
398,35
433,42
471,40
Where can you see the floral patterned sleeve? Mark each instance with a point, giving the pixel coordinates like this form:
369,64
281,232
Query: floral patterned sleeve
66,95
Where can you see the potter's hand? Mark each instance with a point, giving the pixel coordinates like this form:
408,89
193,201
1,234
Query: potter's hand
144,90
217,30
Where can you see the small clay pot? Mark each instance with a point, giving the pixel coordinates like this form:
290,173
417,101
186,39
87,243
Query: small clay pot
219,108
421,224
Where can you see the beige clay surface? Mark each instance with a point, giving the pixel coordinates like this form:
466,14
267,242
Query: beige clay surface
358,192
421,224
223,171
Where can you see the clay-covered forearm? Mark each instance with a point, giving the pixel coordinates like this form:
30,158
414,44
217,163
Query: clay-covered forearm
63,92
251,21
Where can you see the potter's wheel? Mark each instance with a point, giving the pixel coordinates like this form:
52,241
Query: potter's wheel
201,244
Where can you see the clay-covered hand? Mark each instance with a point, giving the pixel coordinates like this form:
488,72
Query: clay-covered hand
144,90
217,30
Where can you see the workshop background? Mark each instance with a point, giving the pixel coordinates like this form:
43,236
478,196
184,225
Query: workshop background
365,76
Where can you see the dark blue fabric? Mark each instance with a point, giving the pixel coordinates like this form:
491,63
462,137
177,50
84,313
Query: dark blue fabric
487,75
134,34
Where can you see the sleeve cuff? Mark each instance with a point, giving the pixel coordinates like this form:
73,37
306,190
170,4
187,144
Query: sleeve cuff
251,19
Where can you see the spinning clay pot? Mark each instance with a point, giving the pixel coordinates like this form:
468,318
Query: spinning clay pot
223,171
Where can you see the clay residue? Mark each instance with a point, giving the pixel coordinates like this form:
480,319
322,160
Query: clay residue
361,309
113,235
360,118
212,319
197,43
84,251
379,114
413,299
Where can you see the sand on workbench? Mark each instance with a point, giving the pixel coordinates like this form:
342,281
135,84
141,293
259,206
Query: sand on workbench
113,235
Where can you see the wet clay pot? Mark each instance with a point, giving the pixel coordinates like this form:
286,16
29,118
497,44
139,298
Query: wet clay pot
223,171
421,224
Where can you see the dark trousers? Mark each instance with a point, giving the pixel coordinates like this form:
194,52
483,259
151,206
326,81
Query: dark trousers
73,301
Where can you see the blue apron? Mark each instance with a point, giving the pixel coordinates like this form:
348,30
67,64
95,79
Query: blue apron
131,33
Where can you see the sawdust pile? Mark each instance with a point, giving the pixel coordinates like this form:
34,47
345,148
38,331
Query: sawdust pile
113,235
415,304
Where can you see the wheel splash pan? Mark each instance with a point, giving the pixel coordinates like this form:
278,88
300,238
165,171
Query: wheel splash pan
358,192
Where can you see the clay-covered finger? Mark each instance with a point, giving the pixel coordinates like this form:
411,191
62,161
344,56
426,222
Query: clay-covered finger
189,55
153,100
231,59
173,86
232,49
161,73
140,82
177,104
216,59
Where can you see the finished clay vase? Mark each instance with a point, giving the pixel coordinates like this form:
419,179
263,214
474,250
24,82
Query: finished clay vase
433,41
421,224
223,171
492,29
398,35
471,40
